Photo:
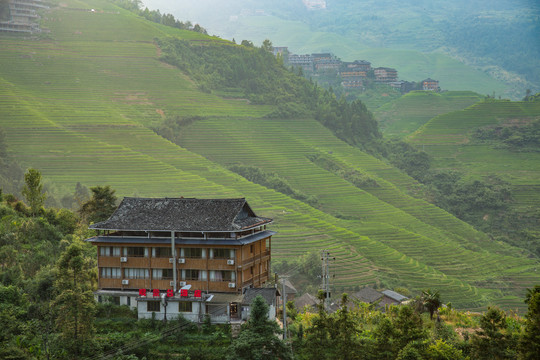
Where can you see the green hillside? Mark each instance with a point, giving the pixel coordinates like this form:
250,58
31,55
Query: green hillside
406,114
450,140
78,103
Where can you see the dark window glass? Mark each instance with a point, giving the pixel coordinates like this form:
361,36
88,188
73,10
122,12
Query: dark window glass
193,253
163,252
135,251
184,306
153,306
222,253
192,274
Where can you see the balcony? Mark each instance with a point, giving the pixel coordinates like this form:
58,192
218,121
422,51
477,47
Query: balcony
262,256
117,284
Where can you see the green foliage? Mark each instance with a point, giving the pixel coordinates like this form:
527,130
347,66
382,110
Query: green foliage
406,157
264,81
74,303
431,301
443,351
522,137
33,190
529,341
494,340
272,180
100,206
356,177
258,339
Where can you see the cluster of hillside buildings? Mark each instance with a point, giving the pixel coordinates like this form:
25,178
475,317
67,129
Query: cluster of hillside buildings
21,16
168,257
354,75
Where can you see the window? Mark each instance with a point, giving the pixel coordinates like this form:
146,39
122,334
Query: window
222,253
137,251
128,300
152,306
222,275
136,273
162,252
162,274
191,274
109,250
251,249
185,306
111,273
193,253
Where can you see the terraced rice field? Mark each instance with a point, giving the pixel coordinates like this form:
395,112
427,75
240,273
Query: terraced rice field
448,139
407,237
408,113
78,103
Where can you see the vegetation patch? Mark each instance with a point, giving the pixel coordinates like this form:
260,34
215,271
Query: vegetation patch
356,177
520,135
272,180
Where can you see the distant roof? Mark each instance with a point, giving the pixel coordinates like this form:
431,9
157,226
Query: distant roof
182,214
318,55
367,295
305,300
268,294
394,295
430,80
289,287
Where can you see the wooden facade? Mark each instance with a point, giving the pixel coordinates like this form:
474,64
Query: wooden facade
230,251
250,266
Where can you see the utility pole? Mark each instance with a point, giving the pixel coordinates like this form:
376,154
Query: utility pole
325,257
284,297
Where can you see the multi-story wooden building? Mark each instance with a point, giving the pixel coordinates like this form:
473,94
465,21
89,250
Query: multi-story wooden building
157,246
385,75
430,85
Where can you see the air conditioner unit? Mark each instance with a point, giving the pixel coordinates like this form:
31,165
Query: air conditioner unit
123,259
181,261
232,285
230,262
182,283
171,260
125,282
171,283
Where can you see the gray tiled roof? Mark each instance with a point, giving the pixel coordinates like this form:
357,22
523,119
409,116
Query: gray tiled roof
306,300
367,295
182,214
394,295
269,295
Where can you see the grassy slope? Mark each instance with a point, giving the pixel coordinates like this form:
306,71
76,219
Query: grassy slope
406,114
447,138
76,105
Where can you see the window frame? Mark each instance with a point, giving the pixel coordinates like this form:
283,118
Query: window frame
153,303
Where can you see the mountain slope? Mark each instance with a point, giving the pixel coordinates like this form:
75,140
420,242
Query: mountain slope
78,103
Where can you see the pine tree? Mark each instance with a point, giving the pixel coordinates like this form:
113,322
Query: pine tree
529,342
258,339
33,190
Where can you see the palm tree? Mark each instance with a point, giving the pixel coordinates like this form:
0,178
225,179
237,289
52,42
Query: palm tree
431,301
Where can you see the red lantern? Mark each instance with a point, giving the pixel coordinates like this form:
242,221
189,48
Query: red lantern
142,292
183,293
170,293
197,293
155,293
